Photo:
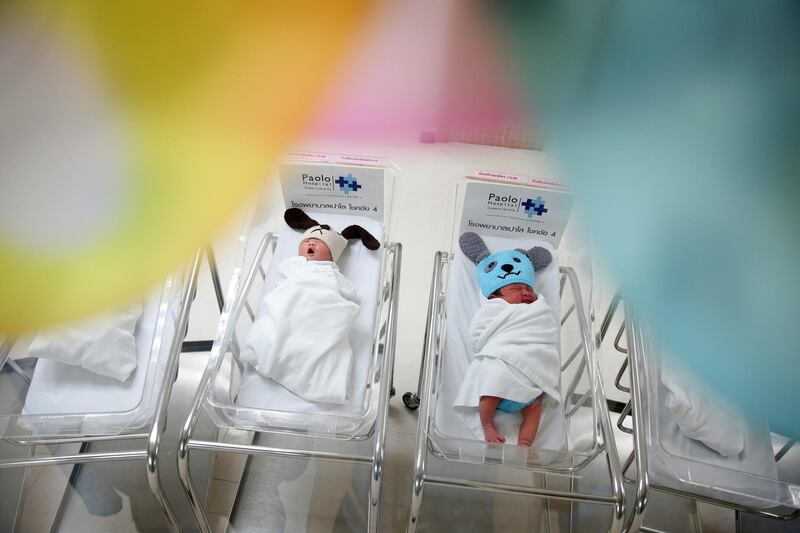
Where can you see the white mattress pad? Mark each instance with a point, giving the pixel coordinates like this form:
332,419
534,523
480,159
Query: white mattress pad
60,389
748,478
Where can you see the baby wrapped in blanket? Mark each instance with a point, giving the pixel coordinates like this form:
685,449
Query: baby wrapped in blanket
515,339
301,341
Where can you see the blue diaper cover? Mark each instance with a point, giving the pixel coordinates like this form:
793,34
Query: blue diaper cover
510,406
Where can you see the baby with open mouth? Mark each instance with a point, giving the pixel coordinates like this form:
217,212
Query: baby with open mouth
301,337
315,249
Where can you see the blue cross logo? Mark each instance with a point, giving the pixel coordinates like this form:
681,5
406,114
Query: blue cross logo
534,206
348,184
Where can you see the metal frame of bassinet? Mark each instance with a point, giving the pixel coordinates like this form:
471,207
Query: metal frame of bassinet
430,366
382,377
150,452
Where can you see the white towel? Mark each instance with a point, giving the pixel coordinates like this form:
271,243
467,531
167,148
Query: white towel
516,357
700,412
104,345
301,339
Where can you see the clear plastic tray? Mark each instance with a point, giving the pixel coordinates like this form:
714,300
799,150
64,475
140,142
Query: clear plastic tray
751,478
254,261
120,407
579,384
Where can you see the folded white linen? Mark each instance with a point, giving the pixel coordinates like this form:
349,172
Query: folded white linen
701,414
516,357
301,341
104,345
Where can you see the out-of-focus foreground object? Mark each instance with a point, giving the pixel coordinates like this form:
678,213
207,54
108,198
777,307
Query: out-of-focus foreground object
680,125
130,132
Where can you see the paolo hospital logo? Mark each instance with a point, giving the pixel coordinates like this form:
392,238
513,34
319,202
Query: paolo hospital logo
348,184
534,207
531,206
323,182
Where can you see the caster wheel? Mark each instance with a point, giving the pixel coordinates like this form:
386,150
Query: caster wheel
392,393
411,400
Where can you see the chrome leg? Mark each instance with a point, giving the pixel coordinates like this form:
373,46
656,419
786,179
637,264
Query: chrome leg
416,499
612,458
387,374
635,345
13,365
20,497
160,421
546,504
784,449
212,266
694,517
71,484
238,293
571,505
375,482
412,399
5,349
426,376
609,316
188,484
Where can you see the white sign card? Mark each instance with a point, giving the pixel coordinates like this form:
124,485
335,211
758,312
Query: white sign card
515,211
533,181
338,159
340,189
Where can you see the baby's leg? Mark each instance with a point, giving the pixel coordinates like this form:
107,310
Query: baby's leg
487,406
531,415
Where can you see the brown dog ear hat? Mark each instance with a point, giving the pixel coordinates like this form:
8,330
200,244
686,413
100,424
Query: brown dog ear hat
298,219
357,232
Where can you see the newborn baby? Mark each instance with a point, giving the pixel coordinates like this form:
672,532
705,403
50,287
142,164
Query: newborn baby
516,293
300,339
515,338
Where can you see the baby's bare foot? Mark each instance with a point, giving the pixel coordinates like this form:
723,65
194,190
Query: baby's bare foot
491,434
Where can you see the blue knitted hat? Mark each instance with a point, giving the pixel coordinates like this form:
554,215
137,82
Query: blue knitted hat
504,268
495,271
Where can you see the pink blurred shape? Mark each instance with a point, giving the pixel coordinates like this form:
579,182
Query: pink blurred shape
421,69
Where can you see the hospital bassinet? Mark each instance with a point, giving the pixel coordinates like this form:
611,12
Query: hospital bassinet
235,396
665,459
47,403
448,456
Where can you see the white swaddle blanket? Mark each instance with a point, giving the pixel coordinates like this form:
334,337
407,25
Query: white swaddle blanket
302,340
707,443
701,414
103,344
516,358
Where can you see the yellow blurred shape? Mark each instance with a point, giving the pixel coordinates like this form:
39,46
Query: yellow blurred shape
208,94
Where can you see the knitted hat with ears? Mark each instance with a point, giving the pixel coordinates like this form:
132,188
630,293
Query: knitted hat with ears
497,270
336,242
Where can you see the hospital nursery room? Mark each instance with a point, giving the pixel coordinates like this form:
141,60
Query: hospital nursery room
384,266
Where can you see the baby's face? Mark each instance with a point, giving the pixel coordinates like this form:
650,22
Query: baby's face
517,293
315,250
